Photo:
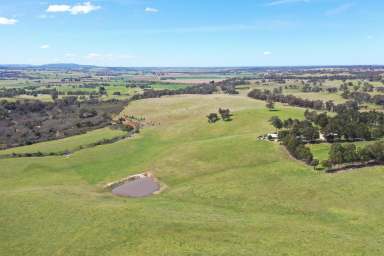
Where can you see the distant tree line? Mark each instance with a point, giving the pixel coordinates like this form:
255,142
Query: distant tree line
363,97
291,100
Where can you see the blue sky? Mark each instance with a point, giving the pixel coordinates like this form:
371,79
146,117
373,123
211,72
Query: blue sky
192,32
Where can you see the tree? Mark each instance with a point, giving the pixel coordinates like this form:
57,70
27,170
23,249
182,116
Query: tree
270,104
329,105
322,120
102,90
350,154
326,164
276,122
315,163
225,114
212,118
54,95
304,153
336,154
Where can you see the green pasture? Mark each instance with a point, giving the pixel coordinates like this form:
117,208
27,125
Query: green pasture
227,193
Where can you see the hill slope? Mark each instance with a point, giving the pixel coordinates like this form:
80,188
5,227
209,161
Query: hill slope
228,194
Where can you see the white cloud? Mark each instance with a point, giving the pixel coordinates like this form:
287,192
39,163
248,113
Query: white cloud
280,2
152,10
340,9
45,46
84,8
267,53
59,8
6,21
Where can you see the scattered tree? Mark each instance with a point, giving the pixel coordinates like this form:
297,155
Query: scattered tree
212,118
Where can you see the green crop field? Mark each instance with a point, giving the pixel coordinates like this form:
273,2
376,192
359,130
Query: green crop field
227,193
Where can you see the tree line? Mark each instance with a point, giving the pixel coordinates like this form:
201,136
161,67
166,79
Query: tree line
277,96
349,125
343,154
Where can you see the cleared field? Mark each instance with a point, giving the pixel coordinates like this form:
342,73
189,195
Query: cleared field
228,193
66,144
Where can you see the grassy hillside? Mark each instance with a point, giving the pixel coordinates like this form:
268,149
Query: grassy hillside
228,194
67,144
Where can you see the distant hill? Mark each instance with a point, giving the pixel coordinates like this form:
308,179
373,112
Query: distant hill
66,66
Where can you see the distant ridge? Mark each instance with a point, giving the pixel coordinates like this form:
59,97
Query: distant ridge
79,67
66,66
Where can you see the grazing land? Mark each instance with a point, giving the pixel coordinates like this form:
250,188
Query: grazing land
220,180
67,144
227,192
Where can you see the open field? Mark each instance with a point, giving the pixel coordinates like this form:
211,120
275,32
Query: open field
228,193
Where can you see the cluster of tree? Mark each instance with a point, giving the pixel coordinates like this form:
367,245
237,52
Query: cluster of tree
364,97
311,88
224,113
341,154
288,99
304,130
13,92
197,89
296,146
25,122
349,124
295,135
228,86
332,90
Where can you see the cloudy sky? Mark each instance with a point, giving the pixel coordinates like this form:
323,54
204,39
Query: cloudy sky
192,32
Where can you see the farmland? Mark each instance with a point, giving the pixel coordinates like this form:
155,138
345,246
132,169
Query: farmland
224,191
220,180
